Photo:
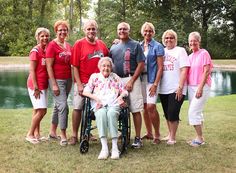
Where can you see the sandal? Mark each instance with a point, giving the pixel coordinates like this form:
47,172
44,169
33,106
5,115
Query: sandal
32,140
156,141
170,142
196,143
147,136
63,142
73,140
51,137
165,138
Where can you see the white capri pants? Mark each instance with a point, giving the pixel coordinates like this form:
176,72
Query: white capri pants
196,105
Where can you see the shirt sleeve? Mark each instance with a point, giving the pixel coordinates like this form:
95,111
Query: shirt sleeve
50,53
140,56
90,85
184,60
33,56
159,50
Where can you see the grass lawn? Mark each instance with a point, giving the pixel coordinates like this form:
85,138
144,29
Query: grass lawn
218,155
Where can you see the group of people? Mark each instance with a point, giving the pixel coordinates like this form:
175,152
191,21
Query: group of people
139,71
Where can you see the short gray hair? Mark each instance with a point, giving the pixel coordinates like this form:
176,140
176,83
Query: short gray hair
90,22
39,31
196,35
171,32
145,25
106,58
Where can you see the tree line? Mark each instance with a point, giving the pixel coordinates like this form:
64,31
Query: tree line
214,19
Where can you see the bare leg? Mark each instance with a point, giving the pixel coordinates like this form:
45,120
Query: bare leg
137,123
198,129
147,121
173,128
155,119
76,118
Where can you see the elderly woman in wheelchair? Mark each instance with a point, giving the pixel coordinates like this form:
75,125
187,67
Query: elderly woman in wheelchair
106,92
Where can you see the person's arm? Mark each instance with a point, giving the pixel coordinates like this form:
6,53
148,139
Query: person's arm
205,74
153,88
77,79
94,97
183,77
138,71
33,65
49,64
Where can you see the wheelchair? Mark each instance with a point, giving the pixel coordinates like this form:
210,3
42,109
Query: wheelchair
124,128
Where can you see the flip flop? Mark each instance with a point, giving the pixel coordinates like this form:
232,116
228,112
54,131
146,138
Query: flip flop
51,137
32,140
43,139
63,142
196,143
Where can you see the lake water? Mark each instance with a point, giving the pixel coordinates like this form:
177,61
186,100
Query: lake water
14,94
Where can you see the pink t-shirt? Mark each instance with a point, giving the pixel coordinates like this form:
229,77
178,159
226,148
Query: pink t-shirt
197,62
85,56
61,66
38,55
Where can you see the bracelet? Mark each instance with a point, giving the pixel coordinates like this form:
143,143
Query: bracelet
155,85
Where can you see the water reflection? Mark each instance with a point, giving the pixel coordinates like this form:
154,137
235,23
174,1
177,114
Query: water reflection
14,94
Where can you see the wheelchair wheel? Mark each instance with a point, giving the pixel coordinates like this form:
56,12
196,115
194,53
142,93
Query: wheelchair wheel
84,130
84,146
124,123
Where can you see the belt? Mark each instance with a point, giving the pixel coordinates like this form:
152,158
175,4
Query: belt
126,75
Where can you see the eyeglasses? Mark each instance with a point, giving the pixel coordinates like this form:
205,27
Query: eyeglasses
91,29
169,38
60,30
124,29
150,31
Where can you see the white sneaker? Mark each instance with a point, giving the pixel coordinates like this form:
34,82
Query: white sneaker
103,155
115,154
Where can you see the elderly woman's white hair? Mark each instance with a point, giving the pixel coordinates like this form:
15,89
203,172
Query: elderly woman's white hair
39,31
145,25
106,58
172,33
196,35
90,22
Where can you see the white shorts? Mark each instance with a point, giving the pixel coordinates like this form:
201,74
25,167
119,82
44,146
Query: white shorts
78,100
40,103
196,105
145,91
135,96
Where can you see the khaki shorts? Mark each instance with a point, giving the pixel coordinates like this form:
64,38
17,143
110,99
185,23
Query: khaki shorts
135,96
78,100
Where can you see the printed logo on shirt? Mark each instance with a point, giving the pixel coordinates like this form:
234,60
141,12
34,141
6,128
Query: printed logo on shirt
65,56
96,54
43,61
169,63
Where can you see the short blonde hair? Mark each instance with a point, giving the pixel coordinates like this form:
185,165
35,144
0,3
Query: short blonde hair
106,58
61,22
196,35
90,22
39,31
171,32
145,25
124,23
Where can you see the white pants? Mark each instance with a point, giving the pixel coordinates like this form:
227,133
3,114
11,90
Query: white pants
40,103
145,91
196,105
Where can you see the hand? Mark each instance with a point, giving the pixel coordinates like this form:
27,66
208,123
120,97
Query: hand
152,90
37,93
129,85
179,94
80,88
56,90
98,104
122,103
199,93
116,41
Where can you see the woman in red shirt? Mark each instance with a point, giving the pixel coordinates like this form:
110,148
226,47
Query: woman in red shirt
58,56
37,83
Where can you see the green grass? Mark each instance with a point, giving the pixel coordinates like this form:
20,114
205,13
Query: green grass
218,155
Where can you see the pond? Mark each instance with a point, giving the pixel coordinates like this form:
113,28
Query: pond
14,94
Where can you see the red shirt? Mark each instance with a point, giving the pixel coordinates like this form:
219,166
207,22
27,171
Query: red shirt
85,56
61,66
37,54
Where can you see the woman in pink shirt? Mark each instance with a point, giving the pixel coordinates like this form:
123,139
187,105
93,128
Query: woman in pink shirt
199,83
37,84
58,56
